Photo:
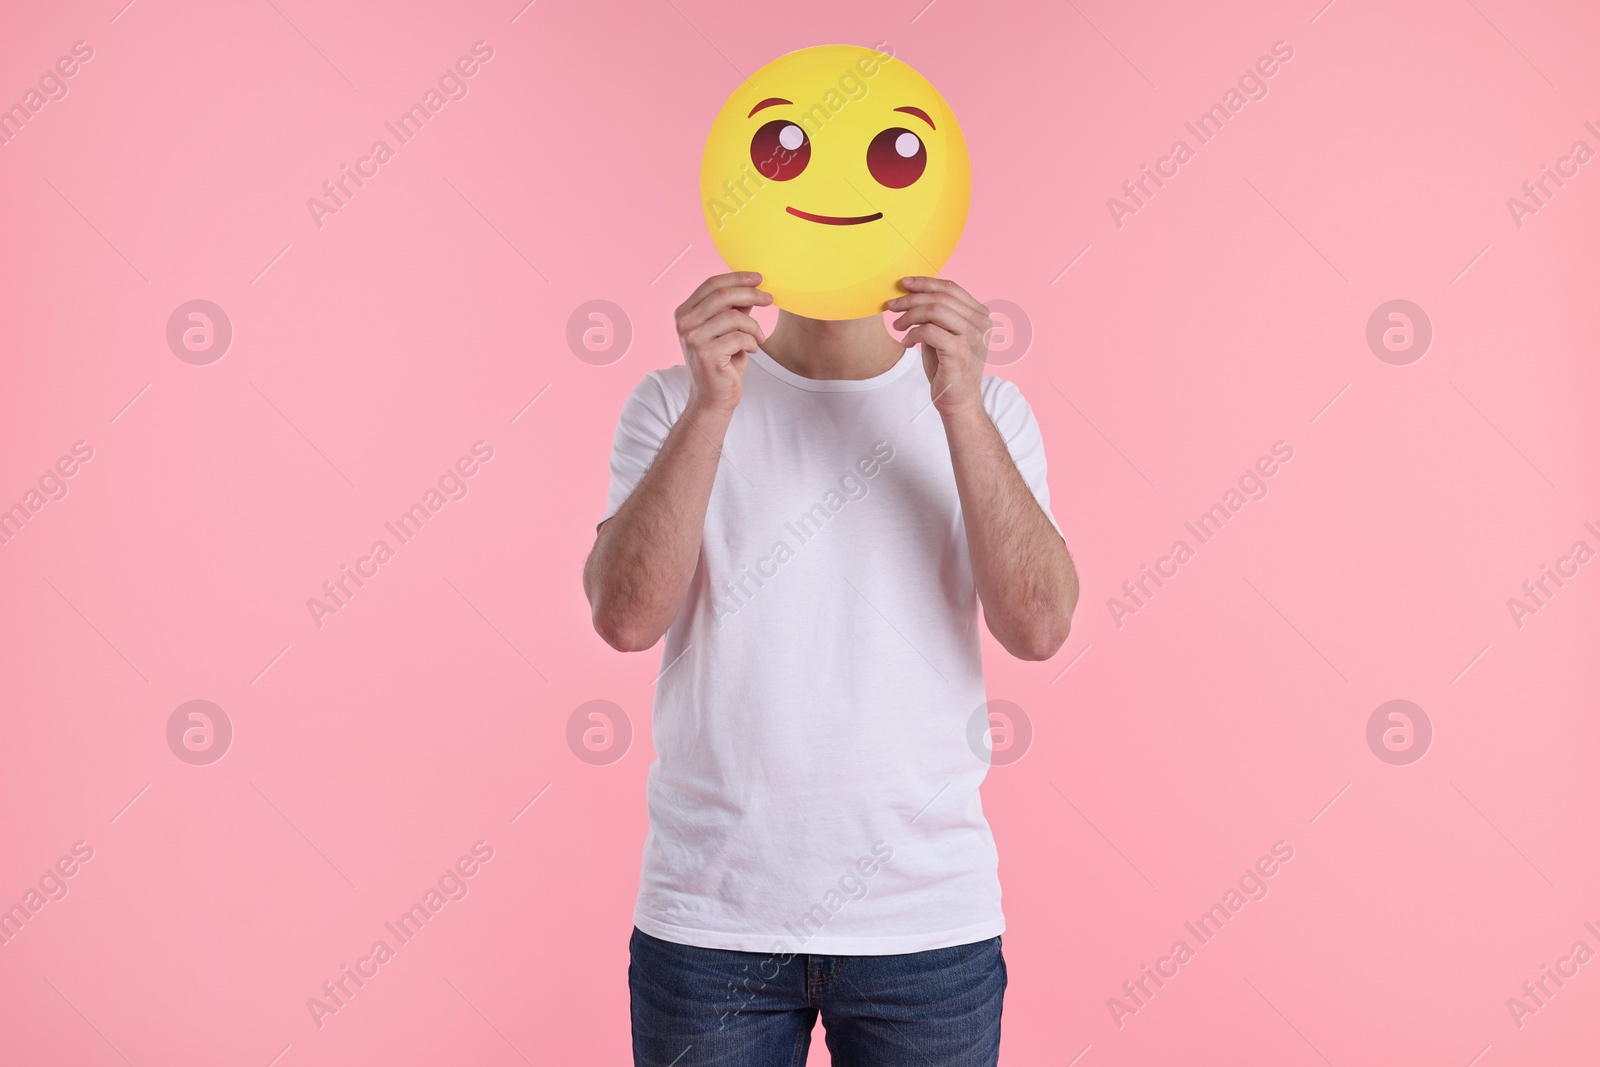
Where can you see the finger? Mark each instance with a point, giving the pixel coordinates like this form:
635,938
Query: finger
938,315
977,314
913,299
923,284
729,321
720,281
728,348
715,350
953,317
719,298
739,296
934,337
978,319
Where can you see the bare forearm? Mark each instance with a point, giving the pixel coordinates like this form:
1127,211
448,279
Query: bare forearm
645,555
1024,574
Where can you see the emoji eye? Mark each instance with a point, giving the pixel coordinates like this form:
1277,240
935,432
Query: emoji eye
896,158
780,150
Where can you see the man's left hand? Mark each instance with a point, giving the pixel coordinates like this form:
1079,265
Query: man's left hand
953,330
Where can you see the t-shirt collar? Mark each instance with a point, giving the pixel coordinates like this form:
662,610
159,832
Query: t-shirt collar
835,385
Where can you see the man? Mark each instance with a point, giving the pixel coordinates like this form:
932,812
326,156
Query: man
812,523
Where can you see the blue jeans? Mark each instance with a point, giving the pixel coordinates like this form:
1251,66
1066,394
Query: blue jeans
706,1007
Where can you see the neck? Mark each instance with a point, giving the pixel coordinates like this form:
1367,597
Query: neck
832,348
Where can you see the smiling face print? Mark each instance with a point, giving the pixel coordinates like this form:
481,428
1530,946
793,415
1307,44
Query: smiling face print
835,171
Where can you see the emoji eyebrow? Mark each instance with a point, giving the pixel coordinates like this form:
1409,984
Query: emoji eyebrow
917,111
768,102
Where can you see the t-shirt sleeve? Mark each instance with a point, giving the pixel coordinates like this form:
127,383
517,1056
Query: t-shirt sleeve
647,416
1013,417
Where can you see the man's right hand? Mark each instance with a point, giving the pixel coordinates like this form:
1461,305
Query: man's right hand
718,335
646,554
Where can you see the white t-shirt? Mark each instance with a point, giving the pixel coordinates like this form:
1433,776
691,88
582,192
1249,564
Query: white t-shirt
814,789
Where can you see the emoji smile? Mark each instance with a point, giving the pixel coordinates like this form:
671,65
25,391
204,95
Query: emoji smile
835,220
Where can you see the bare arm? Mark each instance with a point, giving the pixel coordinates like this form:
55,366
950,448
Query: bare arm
1024,574
1020,564
645,555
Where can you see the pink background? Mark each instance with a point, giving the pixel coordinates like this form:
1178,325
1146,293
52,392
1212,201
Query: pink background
369,354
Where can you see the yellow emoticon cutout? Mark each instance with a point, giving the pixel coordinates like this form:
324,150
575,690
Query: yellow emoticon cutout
835,171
